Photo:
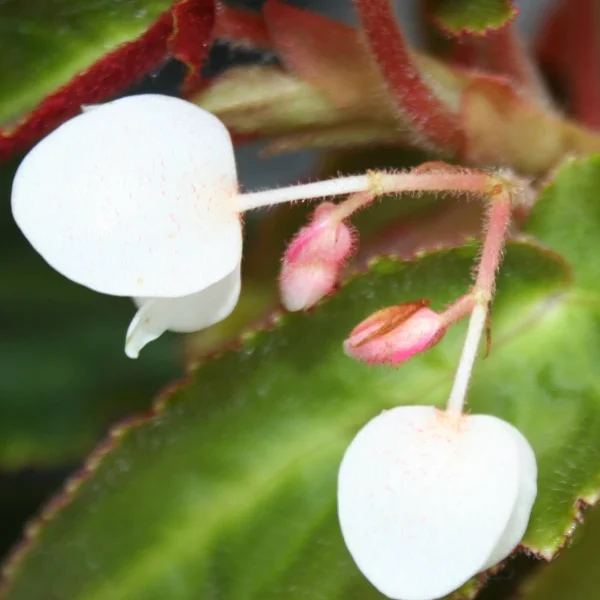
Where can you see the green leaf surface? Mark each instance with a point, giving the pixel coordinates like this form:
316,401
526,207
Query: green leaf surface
574,574
471,16
567,219
229,491
44,43
63,375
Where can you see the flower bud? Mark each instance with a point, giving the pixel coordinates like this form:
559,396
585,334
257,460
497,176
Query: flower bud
395,334
304,285
314,259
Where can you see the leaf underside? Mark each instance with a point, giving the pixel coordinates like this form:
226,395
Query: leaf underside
456,17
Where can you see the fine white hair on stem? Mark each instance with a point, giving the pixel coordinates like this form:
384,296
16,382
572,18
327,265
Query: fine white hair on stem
307,191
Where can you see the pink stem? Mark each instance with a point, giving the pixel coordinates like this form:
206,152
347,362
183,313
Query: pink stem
448,180
458,309
497,226
413,97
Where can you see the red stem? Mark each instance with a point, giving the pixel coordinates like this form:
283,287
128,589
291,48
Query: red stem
549,45
583,61
106,77
241,26
184,31
413,97
192,36
502,52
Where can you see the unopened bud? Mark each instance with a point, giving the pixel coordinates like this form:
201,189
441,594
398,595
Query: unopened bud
303,286
324,239
314,259
395,334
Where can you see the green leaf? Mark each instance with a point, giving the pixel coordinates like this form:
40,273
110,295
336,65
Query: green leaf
64,376
44,43
574,574
566,217
229,490
471,16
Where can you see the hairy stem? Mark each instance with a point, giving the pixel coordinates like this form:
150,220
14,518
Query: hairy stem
416,101
375,183
458,394
497,226
307,191
459,309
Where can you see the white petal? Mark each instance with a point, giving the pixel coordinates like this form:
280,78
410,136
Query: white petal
89,107
423,504
184,314
134,198
519,519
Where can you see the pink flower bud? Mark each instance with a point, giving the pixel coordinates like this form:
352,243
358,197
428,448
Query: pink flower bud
323,239
314,259
394,334
303,286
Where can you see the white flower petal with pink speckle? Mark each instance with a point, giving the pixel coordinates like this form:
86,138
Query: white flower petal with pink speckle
137,197
134,198
426,499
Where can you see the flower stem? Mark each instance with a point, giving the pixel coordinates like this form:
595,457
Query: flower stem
497,226
376,183
458,394
307,191
459,309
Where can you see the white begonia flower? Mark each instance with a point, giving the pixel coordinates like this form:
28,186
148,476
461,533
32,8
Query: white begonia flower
137,197
426,499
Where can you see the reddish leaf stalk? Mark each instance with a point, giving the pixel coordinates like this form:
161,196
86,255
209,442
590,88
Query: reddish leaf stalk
192,36
185,31
110,74
240,26
413,97
583,60
549,46
503,53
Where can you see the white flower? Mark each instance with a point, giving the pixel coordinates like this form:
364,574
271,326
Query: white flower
427,499
137,198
